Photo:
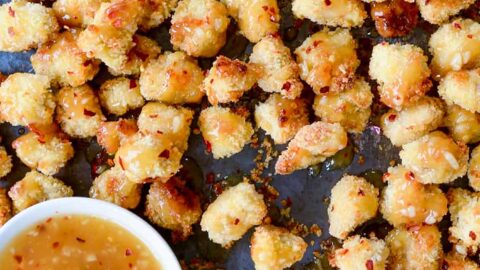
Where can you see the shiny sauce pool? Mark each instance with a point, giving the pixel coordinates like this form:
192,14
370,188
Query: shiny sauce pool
76,242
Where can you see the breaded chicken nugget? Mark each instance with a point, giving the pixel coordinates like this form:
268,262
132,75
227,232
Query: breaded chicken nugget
413,121
463,125
5,163
435,158
233,213
455,46
26,99
144,157
461,88
228,80
110,135
438,11
311,145
46,154
275,248
173,206
256,18
173,122
279,72
417,247
344,13
474,169
5,207
402,73
76,13
350,108
225,133
120,95
456,261
63,62
35,188
353,201
465,229
281,118
109,36
156,12
144,50
173,78
405,201
359,253
24,25
328,60
113,186
78,111
199,27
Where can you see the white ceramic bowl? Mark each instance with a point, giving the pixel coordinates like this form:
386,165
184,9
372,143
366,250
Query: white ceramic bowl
86,206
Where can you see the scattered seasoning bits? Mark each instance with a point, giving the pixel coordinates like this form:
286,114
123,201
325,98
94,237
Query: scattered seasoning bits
80,240
128,252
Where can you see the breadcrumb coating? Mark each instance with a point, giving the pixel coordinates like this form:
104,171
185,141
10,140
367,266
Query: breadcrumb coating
463,125
359,253
311,145
353,201
328,60
461,88
344,13
438,11
5,207
233,213
120,95
5,163
435,158
76,13
111,135
275,248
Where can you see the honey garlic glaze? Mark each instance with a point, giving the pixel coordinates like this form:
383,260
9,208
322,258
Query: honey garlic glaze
76,242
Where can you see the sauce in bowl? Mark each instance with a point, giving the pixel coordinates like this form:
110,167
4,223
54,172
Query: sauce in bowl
77,242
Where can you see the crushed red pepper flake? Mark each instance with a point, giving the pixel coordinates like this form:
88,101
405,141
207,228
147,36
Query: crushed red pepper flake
18,258
11,12
165,154
80,240
121,163
55,244
128,252
410,176
88,113
472,235
369,264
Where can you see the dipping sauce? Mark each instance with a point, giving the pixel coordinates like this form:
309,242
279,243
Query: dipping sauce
76,242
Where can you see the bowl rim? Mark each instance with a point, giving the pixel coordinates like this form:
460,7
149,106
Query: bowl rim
97,208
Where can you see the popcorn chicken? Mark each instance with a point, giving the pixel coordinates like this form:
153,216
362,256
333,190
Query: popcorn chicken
173,78
173,206
461,88
350,108
413,121
328,60
455,46
109,36
233,213
26,99
110,135
158,118
395,18
280,73
281,118
465,219
144,157
63,62
5,207
156,12
417,247
35,188
359,253
225,133
344,13
76,13
47,154
405,201
438,11
228,80
353,201
435,158
144,49
199,27
456,261
78,111
402,73
5,164
120,95
312,144
464,125
113,186
275,248
256,18
24,25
